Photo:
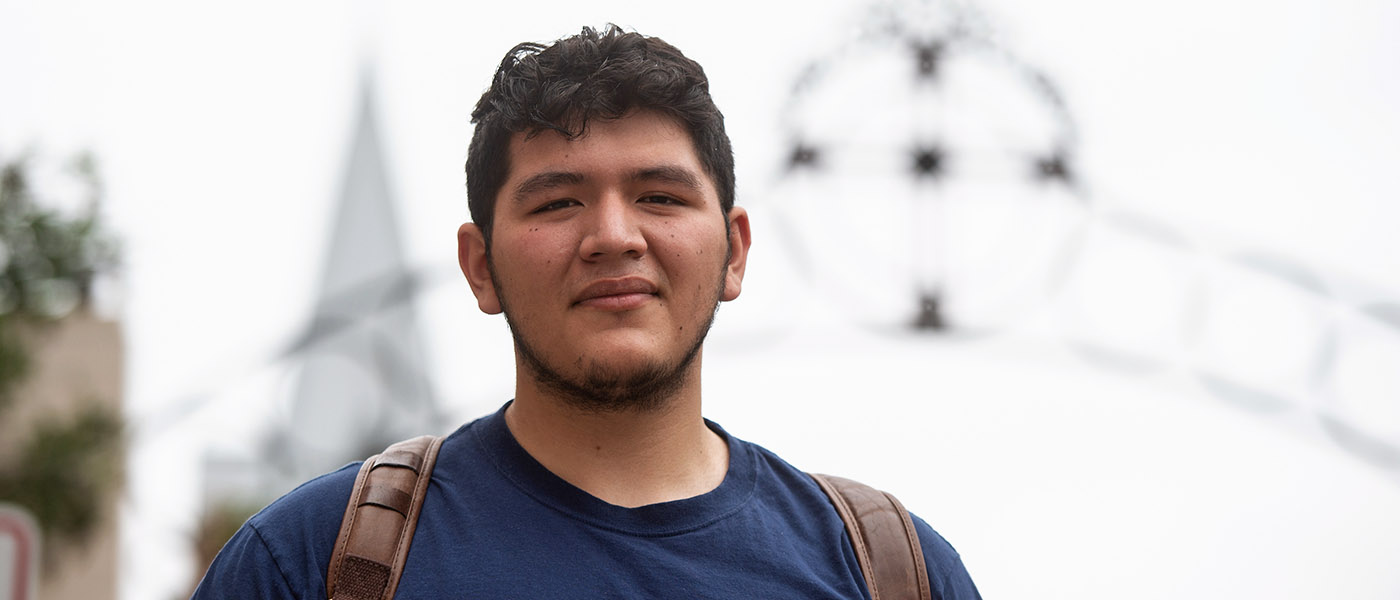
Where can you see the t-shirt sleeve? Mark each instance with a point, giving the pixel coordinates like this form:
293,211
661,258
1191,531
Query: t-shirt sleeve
282,552
946,573
244,568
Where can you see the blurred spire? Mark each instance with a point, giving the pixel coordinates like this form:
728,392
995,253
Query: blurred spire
363,379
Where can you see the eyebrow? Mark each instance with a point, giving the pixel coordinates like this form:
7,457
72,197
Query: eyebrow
668,174
545,181
548,180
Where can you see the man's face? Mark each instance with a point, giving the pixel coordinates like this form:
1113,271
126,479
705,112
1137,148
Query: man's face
609,255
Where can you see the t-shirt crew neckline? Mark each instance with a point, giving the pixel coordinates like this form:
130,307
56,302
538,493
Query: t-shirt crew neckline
653,520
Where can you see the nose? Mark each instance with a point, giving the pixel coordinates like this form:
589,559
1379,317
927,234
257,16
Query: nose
612,232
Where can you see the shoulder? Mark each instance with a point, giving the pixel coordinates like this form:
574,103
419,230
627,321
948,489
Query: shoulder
282,551
948,577
308,504
946,573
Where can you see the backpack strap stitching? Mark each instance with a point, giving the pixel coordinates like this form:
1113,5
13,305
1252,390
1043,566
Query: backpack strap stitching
892,564
388,497
347,522
389,491
420,491
915,548
848,518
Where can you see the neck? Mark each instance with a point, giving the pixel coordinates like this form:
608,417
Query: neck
627,458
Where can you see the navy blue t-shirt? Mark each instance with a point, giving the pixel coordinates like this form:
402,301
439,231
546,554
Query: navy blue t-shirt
497,524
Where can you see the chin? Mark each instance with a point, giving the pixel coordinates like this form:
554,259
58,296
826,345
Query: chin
606,373
621,358
620,371
605,382
627,387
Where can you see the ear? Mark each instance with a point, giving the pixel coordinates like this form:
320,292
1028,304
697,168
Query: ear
471,255
739,240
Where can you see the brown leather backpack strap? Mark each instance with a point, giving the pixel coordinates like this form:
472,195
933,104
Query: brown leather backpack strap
883,535
379,521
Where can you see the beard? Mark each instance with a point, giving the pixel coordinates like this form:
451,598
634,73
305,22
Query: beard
602,389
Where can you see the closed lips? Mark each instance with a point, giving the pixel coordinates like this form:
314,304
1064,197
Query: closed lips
615,287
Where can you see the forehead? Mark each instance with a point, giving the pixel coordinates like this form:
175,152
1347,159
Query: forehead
610,149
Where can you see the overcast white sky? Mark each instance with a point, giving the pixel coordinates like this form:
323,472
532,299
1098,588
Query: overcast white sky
221,132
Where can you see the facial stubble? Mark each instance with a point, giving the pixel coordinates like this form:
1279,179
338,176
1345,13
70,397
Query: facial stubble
600,389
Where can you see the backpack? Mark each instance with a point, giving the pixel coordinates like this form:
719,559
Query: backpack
379,520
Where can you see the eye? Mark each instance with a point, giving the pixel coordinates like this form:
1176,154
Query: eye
659,199
556,205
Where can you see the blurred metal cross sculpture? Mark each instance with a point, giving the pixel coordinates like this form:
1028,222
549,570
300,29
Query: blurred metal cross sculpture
950,164
931,185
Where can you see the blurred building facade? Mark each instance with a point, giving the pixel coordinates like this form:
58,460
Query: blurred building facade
76,365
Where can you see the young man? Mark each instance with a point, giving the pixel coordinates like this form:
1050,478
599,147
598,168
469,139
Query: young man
601,187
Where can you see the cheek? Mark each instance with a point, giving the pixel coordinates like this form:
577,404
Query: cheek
537,247
696,247
519,266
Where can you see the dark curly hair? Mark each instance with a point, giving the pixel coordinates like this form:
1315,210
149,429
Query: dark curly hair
592,75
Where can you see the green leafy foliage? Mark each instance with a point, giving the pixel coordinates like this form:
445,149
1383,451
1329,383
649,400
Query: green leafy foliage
62,471
48,259
65,471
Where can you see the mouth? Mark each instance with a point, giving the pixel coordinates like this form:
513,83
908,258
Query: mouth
621,293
